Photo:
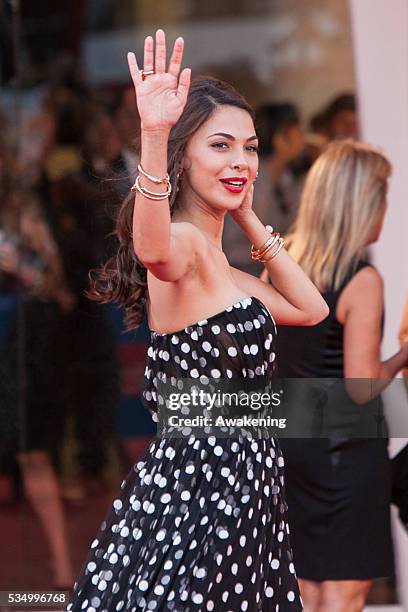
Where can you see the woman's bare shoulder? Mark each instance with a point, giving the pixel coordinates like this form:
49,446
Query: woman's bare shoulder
186,228
364,290
184,231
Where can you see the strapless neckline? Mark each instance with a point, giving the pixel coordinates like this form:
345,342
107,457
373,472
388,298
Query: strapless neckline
243,300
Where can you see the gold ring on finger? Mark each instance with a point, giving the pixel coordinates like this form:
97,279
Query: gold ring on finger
145,73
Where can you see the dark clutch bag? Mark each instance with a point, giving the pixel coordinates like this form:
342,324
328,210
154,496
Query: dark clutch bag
399,492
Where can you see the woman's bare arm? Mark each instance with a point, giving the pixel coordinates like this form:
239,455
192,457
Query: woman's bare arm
167,250
360,310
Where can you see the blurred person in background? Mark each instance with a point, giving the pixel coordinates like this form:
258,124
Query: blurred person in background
127,122
6,159
66,88
281,141
106,160
339,488
338,120
30,266
277,190
86,349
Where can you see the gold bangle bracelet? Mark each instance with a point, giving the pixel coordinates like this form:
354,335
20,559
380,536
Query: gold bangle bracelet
266,250
258,254
255,251
150,195
154,179
273,244
281,243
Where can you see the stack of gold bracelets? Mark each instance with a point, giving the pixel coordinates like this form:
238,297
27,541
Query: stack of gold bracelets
265,253
269,249
152,195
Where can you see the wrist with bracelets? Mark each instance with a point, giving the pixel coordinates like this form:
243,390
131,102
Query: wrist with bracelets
269,249
152,195
265,253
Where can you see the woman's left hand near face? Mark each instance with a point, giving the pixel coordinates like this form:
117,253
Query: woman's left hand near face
245,210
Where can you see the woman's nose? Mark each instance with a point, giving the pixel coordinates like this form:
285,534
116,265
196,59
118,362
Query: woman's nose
239,162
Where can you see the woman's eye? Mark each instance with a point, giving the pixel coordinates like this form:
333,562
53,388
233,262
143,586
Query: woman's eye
225,145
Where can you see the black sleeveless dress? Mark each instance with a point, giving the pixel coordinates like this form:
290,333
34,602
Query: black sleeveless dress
200,522
338,489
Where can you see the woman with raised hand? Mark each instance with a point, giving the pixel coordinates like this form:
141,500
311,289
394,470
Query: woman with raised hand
338,487
200,522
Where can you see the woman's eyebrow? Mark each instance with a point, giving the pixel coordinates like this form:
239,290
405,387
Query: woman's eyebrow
230,137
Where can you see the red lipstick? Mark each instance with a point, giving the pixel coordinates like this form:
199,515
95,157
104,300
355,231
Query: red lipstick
234,184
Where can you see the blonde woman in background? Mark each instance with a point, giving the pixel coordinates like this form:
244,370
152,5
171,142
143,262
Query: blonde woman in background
339,489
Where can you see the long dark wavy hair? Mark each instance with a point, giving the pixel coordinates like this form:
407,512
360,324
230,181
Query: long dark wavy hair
123,278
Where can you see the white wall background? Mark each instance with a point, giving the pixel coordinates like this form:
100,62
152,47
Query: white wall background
380,32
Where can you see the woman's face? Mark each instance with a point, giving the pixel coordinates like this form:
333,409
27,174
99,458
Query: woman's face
221,160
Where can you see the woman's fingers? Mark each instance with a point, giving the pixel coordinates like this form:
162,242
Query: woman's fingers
156,60
184,84
148,59
176,57
134,69
160,63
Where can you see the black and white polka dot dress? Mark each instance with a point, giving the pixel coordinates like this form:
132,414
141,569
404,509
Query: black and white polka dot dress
200,523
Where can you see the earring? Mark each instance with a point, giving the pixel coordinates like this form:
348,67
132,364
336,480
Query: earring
256,176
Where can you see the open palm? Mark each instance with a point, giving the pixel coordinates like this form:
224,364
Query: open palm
161,96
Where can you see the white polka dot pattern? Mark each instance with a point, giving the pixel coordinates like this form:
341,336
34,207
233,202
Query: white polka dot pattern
199,524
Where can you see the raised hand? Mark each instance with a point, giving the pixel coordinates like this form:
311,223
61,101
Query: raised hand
161,96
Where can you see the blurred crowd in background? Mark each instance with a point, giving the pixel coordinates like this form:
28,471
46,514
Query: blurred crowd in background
64,171
59,193
60,189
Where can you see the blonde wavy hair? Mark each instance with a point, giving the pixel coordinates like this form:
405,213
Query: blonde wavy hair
341,200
